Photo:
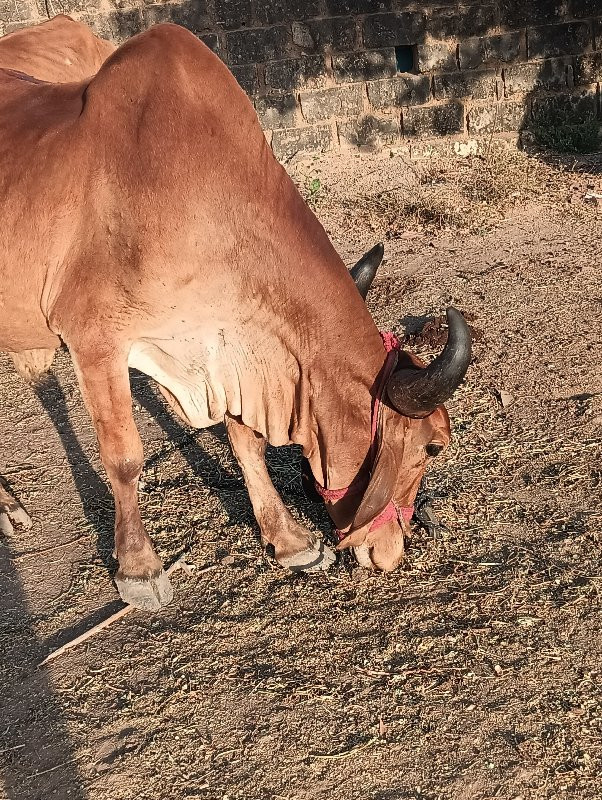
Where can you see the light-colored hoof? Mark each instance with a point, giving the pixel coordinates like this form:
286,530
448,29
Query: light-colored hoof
9,517
148,594
315,559
362,555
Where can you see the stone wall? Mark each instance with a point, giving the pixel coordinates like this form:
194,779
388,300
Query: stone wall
367,73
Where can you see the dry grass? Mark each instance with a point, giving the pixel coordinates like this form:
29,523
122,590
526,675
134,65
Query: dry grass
469,195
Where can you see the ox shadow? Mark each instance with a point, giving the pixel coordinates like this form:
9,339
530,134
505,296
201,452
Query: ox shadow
97,501
227,484
37,757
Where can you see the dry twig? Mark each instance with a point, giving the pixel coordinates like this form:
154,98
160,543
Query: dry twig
178,564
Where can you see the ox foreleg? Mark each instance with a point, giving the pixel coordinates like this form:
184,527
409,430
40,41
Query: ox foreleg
104,381
295,547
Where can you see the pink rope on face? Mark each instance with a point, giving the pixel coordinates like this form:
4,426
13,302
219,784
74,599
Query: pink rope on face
391,512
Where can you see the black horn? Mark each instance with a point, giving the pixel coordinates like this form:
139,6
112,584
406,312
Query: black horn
418,392
364,271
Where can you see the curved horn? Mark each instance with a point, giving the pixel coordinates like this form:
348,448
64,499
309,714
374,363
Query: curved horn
417,393
364,271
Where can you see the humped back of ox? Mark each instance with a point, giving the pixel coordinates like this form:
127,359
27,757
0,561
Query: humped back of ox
147,224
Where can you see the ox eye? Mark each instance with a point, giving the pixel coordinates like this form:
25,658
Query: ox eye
433,449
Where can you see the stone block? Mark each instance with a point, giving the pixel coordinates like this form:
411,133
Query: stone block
502,48
496,118
211,40
598,34
364,65
386,30
194,17
369,131
584,8
407,90
277,111
559,40
463,21
116,26
342,101
338,34
588,68
579,107
233,13
257,45
549,74
296,73
288,143
271,12
436,56
476,85
519,13
247,77
436,120
335,7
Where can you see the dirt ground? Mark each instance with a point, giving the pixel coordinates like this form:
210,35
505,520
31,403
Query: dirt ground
472,673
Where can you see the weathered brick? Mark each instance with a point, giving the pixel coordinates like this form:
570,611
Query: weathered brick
504,47
288,143
270,12
477,85
194,17
496,118
436,56
370,131
277,111
364,65
406,90
579,107
439,120
384,30
559,40
257,44
358,6
461,22
588,69
598,34
343,101
518,13
584,8
117,26
296,73
550,74
337,34
233,13
211,40
246,77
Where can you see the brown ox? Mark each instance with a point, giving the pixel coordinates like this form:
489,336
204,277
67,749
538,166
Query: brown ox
146,223
59,51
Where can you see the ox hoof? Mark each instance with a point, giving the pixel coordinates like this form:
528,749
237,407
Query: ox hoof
314,559
148,594
14,515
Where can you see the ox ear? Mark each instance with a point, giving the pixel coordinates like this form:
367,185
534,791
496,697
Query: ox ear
364,271
381,487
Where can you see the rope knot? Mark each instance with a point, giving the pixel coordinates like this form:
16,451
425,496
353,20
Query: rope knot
390,341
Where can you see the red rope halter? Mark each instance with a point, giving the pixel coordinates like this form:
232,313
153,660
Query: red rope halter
391,511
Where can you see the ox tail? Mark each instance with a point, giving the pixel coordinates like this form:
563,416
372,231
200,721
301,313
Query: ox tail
33,364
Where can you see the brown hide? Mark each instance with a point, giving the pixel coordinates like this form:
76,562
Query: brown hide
59,51
146,223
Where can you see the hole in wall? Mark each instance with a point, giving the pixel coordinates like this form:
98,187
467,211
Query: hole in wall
404,55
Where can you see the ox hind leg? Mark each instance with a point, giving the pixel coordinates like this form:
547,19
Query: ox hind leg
295,547
31,365
104,380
